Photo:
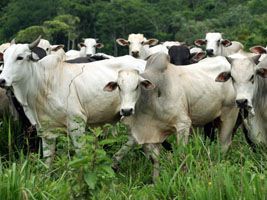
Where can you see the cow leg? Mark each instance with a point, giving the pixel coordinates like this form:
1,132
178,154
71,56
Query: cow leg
123,151
76,129
49,149
154,151
228,118
182,132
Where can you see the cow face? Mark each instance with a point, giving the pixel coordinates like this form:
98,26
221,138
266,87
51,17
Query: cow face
129,84
138,45
214,44
89,46
243,74
18,60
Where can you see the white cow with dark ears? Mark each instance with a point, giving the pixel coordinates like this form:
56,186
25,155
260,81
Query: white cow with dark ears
217,46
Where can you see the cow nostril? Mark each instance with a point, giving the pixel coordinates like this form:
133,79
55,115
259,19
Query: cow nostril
242,103
2,82
126,112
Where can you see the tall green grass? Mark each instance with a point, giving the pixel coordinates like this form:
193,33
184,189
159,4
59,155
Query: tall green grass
197,171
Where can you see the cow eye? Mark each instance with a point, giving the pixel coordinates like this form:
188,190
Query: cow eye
252,79
19,58
218,43
142,42
137,87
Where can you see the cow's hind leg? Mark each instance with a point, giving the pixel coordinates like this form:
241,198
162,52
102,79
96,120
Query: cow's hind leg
123,151
154,152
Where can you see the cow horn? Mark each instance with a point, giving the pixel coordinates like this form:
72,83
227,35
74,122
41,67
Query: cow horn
35,43
13,41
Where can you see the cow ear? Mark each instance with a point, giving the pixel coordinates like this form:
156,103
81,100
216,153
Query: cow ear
122,42
262,72
151,42
111,86
57,47
200,42
226,42
258,50
146,84
195,57
81,44
223,77
99,45
256,59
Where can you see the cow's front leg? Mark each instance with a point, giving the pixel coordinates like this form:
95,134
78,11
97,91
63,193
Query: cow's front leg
228,118
76,128
118,156
183,131
49,149
154,152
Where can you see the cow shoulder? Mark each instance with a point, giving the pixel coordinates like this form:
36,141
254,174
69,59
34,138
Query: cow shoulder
158,62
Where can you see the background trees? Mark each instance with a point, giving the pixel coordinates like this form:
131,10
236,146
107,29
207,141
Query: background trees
67,21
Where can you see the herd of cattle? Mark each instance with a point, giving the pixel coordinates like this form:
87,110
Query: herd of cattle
156,90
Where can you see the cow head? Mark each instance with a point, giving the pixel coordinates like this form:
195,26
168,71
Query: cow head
17,60
129,84
214,43
89,46
243,75
45,44
138,45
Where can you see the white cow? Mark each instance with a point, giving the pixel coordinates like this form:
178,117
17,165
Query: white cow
259,50
217,46
55,94
250,84
138,45
52,49
172,99
87,48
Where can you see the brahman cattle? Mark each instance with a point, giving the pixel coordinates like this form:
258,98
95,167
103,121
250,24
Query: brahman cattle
168,99
138,45
87,48
217,46
57,95
250,83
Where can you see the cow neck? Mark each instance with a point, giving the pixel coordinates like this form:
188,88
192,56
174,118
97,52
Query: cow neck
25,90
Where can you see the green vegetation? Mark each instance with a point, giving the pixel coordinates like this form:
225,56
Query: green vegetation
67,21
197,171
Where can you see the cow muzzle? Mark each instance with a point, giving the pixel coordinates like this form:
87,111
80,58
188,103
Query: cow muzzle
2,83
210,52
135,54
127,112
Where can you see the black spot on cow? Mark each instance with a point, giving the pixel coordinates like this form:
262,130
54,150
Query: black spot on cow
87,59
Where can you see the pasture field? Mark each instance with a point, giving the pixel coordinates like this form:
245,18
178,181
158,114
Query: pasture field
197,171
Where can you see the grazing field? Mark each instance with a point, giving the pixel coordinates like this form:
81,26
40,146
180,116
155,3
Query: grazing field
197,171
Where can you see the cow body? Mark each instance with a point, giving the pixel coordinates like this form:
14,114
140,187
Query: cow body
182,97
55,94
